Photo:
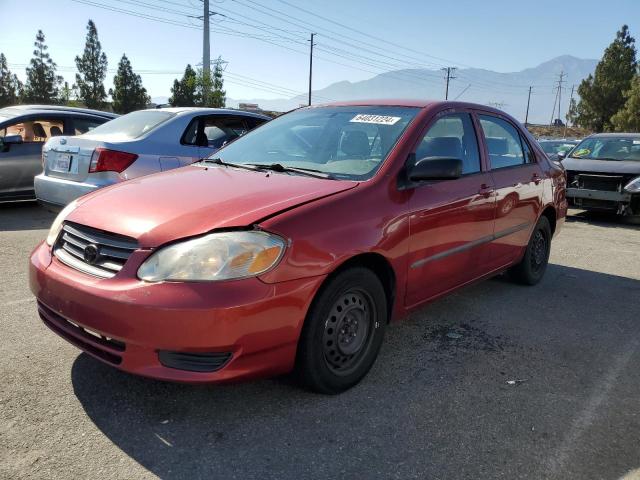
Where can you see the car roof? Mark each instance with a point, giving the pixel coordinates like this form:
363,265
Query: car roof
614,135
411,102
558,140
211,111
16,110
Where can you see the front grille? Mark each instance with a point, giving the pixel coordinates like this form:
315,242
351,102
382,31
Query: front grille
105,348
609,183
93,251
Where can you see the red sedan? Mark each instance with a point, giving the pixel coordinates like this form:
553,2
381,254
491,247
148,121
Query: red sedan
297,244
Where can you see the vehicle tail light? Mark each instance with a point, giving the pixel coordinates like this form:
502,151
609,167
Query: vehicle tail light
105,160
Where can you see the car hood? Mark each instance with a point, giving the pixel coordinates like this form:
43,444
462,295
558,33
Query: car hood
629,167
193,200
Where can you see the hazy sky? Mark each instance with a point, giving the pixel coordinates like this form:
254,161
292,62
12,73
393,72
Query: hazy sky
265,41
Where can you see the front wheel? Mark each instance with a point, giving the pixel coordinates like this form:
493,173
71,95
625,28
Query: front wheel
343,332
531,268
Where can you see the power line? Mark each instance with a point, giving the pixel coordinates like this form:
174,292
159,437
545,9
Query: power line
351,29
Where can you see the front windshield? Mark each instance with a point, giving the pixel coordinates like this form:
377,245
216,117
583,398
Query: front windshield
131,125
608,148
349,142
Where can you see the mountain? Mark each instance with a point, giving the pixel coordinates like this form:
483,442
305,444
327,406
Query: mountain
508,91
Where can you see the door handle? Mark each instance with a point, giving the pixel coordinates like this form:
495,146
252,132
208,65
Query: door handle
486,190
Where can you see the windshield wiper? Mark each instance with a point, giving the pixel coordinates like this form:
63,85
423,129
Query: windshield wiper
219,161
278,167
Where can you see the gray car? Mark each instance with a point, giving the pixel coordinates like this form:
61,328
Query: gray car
23,131
603,173
136,144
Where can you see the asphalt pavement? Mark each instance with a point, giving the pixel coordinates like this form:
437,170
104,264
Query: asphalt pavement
495,381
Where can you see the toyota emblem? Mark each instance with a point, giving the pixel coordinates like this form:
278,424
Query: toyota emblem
91,254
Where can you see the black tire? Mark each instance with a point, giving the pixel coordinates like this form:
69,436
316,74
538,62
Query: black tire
343,332
531,268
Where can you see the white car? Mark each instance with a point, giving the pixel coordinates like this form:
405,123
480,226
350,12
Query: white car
136,144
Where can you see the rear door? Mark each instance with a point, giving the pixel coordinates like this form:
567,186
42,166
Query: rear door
451,221
21,162
518,183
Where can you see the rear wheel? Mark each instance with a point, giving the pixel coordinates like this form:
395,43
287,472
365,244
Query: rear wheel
343,332
531,268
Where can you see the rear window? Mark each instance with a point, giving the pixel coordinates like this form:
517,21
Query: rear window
131,125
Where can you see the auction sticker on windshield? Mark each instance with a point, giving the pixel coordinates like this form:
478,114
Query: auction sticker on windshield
378,119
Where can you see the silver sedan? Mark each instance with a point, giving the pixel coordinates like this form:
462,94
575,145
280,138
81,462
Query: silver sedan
136,144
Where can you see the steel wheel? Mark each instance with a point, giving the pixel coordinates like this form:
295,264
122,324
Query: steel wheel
348,331
539,251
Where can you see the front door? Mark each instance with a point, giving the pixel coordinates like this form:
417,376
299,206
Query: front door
451,222
517,179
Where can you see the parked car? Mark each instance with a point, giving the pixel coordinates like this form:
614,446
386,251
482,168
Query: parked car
557,149
23,131
136,144
604,173
295,245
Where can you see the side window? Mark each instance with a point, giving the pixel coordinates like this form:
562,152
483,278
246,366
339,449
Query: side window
253,122
452,136
35,131
529,157
503,142
220,130
190,135
84,125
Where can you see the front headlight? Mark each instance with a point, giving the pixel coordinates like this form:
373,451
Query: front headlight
217,256
56,226
633,186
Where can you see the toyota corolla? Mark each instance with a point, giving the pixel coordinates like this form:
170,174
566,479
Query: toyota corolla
293,247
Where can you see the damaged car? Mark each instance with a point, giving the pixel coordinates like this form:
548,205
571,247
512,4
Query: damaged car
603,173
291,248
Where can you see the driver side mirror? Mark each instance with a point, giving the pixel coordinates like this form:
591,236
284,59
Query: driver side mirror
8,140
562,154
436,168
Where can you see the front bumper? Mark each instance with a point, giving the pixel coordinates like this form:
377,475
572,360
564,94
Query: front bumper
129,321
58,192
598,195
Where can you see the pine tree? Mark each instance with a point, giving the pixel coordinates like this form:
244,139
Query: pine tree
128,93
602,94
42,84
10,86
92,68
628,118
183,92
219,96
209,90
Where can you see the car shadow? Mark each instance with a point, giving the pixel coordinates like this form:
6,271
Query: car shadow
17,216
437,401
604,219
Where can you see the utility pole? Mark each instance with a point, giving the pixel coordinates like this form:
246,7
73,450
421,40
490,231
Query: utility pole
206,46
448,77
526,116
570,101
311,64
558,97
